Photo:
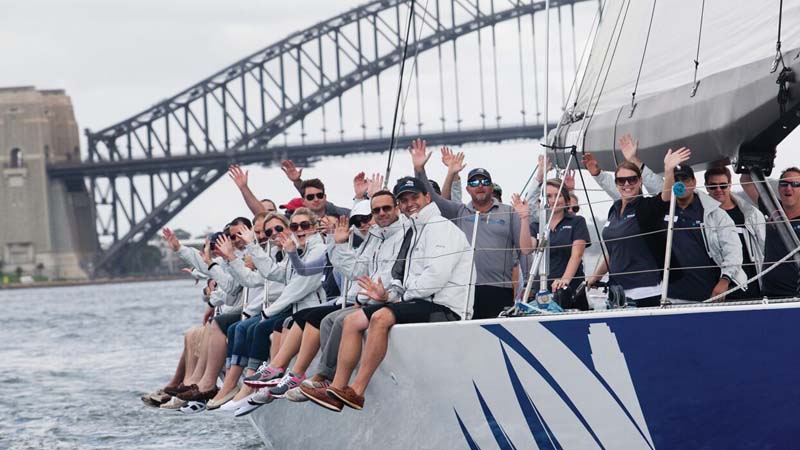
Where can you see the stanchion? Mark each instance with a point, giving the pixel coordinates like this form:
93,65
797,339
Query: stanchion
677,189
471,292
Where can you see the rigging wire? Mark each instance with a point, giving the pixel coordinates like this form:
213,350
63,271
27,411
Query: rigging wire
393,139
778,52
695,83
641,63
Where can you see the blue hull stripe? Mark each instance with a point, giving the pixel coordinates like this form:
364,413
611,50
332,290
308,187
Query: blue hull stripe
497,430
514,343
544,438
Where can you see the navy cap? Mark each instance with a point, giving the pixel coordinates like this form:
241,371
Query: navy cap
409,184
684,170
435,187
479,172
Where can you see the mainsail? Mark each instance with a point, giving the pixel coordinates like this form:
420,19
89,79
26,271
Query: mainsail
702,74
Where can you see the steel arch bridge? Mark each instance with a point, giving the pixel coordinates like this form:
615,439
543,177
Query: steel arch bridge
323,83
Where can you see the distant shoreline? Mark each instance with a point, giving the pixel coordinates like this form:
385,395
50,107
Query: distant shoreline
46,284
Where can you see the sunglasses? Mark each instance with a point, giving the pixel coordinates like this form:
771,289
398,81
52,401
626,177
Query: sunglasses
714,187
382,209
318,195
622,181
481,182
786,183
233,237
575,209
276,229
357,221
304,225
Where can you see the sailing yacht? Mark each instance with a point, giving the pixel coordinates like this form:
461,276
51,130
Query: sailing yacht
716,76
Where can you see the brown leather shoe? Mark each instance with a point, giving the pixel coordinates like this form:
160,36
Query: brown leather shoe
321,398
196,395
179,389
348,396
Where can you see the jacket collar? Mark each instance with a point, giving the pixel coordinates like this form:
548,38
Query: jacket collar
386,232
706,201
495,204
427,213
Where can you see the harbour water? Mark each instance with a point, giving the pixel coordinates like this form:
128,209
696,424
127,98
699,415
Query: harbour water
74,361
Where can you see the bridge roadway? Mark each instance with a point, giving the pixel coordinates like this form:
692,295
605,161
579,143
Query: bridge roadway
132,167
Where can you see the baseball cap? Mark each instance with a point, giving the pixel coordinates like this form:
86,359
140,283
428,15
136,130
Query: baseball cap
409,184
496,188
293,204
479,172
684,170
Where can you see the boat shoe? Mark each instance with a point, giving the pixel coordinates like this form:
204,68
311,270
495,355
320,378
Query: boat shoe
348,396
195,394
321,398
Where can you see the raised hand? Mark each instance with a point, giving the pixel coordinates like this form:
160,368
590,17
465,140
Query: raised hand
238,176
457,164
569,180
342,232
375,184
372,289
675,158
360,185
247,235
286,243
539,172
224,247
171,239
291,171
419,154
447,156
591,164
521,207
630,148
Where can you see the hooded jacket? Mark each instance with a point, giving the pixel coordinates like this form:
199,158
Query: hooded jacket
374,257
438,267
300,292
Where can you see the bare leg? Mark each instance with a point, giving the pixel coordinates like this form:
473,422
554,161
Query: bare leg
375,348
290,345
217,349
308,349
275,346
202,351
180,371
191,341
350,348
231,381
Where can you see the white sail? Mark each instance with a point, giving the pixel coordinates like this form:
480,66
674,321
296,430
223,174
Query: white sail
736,96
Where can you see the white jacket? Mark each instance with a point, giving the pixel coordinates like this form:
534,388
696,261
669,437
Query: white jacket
721,239
756,227
439,265
227,298
299,292
374,257
262,292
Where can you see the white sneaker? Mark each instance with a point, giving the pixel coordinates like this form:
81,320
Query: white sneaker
246,409
234,405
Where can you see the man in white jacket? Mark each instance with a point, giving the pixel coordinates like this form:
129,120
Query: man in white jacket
430,282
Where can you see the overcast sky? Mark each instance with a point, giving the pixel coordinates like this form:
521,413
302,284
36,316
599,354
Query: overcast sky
116,58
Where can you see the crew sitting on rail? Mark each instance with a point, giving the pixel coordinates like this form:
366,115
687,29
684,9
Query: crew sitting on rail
569,237
750,226
430,282
500,236
784,280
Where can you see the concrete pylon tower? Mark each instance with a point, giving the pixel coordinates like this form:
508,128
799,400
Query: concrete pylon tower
46,226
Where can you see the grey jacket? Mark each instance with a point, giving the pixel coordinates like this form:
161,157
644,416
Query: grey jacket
721,240
300,292
374,258
756,227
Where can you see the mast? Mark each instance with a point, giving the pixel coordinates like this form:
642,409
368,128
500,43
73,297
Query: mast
545,263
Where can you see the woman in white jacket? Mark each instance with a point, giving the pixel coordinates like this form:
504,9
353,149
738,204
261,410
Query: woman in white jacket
300,292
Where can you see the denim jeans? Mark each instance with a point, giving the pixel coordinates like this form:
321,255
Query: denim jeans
259,349
238,350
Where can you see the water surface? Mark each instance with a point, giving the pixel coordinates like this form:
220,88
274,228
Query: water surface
74,361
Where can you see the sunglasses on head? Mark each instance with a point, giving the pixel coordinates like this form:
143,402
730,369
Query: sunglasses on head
714,187
622,181
357,221
304,225
385,209
318,195
787,183
276,229
480,182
